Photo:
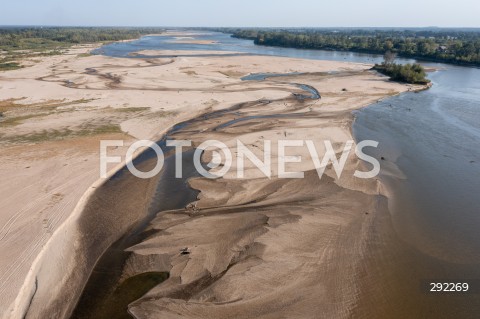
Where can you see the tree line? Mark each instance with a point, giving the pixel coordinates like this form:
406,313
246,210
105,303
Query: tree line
19,42
38,38
450,46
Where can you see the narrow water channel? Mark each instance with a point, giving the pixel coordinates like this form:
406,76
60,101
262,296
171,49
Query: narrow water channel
107,293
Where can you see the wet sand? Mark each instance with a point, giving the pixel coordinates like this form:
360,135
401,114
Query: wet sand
256,244
259,244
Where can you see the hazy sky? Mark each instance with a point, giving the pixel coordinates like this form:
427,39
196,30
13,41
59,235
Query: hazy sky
294,13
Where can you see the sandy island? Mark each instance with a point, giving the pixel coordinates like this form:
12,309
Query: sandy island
260,247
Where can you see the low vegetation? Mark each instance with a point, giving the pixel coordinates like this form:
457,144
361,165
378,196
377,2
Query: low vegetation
9,66
13,113
26,42
162,113
61,134
15,120
132,109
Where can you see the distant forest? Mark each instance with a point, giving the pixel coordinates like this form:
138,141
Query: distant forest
21,42
48,38
459,46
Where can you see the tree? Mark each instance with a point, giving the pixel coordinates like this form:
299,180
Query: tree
389,57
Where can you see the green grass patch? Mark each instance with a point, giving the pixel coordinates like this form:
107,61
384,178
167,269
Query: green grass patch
163,114
131,109
102,129
55,135
11,104
10,121
13,113
8,66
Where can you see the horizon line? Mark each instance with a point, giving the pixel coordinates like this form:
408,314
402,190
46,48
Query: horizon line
228,27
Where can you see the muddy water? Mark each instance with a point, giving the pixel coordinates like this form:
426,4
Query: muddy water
431,145
103,296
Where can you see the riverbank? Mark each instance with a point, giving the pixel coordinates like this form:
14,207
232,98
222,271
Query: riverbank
285,40
59,109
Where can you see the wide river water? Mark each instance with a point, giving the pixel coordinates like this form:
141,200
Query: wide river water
431,145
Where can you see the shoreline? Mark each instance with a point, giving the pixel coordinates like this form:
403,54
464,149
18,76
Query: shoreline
414,57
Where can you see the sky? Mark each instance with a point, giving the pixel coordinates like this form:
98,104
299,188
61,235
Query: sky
245,13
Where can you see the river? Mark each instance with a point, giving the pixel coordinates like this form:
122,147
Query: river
430,142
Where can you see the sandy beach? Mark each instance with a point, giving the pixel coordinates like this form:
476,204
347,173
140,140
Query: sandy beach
256,244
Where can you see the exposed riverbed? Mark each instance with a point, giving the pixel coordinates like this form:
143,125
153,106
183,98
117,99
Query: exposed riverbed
110,289
430,142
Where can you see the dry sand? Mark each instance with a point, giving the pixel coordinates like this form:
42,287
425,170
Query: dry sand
260,247
270,248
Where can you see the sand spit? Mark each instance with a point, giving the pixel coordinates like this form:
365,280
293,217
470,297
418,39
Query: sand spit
274,247
189,40
55,112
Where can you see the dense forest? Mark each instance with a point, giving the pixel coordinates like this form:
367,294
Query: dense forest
18,42
444,45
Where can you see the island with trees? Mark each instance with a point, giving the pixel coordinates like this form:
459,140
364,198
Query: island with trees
408,73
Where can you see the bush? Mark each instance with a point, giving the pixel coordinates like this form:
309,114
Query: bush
9,66
408,73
